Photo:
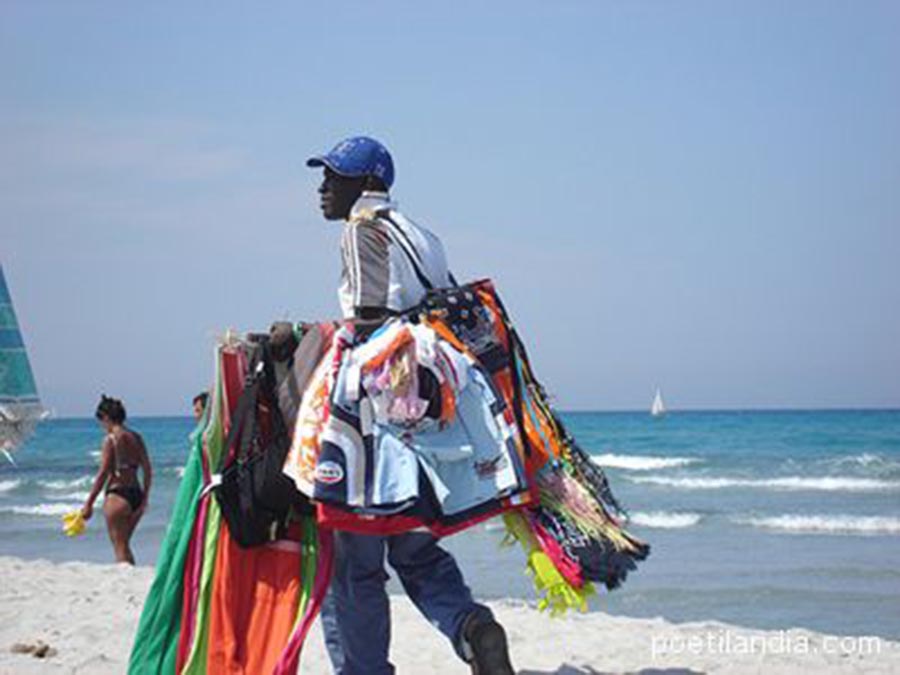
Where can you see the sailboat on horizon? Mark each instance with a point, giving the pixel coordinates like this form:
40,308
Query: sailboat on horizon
20,406
658,408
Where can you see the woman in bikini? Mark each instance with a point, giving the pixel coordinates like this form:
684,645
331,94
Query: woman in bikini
122,453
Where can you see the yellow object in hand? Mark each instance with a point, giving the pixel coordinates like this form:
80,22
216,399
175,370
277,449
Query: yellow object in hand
73,524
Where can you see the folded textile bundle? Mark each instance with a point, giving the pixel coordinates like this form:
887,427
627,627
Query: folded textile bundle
216,606
571,531
433,420
436,420
404,430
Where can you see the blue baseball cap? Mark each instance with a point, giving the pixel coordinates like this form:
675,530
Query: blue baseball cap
358,156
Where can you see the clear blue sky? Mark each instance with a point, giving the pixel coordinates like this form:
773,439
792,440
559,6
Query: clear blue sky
703,196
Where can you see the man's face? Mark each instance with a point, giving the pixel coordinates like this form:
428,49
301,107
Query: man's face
339,194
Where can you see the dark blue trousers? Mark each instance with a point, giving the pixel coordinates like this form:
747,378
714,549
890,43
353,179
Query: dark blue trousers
356,617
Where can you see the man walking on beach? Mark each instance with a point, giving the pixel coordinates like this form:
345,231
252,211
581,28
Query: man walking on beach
388,262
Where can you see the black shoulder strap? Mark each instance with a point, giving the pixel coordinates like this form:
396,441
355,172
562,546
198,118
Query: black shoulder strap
245,408
270,391
243,420
260,382
402,240
406,245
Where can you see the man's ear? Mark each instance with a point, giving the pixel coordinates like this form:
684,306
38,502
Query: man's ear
374,184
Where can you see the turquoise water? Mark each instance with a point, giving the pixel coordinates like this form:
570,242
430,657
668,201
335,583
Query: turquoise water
767,519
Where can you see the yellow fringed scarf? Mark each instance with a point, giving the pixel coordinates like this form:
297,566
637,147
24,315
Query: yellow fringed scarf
554,592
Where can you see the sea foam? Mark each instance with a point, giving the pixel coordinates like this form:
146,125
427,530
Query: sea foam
862,459
664,519
828,484
866,461
84,481
834,524
54,509
641,462
69,496
9,485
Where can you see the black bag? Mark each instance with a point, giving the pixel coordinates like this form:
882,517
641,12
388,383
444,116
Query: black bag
254,495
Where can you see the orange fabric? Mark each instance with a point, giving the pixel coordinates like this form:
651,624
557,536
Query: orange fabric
539,455
256,593
541,450
551,436
486,295
300,463
448,403
548,447
402,339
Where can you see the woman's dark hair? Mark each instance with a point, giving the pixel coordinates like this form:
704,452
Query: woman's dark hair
203,397
111,409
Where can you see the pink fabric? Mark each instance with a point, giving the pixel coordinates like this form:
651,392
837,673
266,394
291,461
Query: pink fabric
290,658
193,566
568,568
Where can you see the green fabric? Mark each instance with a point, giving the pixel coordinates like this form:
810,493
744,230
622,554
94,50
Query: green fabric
196,660
308,562
156,641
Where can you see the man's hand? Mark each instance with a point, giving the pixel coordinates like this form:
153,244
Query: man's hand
282,340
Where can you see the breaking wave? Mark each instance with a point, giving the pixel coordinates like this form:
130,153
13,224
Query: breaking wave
863,459
827,484
827,524
867,462
84,481
77,496
55,509
640,462
9,485
664,519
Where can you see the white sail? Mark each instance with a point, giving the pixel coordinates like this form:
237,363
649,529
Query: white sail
20,407
658,408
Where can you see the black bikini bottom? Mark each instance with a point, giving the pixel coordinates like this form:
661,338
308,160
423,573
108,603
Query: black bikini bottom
130,493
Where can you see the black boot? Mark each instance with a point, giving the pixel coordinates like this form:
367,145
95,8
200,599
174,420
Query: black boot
486,641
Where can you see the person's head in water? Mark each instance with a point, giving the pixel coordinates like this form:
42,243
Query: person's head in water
199,404
353,166
110,412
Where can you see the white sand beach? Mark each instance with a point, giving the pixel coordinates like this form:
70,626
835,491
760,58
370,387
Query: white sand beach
86,615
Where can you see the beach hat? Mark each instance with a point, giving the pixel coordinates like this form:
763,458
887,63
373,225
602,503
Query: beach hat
358,156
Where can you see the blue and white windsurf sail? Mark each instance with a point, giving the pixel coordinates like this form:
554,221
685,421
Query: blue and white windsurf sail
20,407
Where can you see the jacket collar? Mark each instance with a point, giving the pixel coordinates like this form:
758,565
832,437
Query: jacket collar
368,203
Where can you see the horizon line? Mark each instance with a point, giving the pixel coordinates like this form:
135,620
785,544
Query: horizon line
606,411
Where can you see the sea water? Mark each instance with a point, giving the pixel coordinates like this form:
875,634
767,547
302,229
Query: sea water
766,519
